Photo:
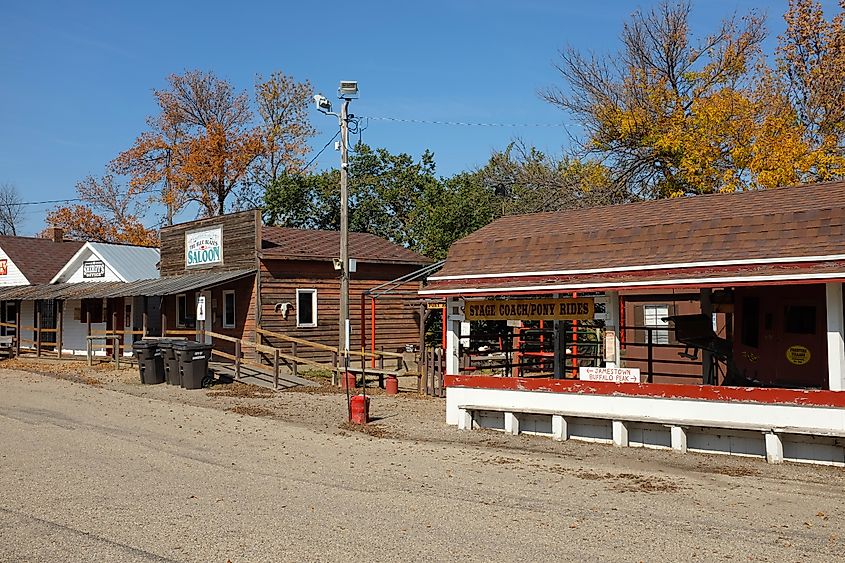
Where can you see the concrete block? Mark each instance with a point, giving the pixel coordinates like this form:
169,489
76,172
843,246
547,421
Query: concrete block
560,429
774,448
464,419
620,433
679,438
511,424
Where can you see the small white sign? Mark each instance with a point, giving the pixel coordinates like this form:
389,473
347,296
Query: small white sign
201,308
614,375
609,345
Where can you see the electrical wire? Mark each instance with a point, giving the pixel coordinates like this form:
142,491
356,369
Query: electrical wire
316,156
464,123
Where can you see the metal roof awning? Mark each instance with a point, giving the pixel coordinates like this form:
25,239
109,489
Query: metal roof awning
167,285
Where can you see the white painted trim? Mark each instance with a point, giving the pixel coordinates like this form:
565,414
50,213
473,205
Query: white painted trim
87,246
806,425
743,262
835,337
632,285
178,324
313,323
234,309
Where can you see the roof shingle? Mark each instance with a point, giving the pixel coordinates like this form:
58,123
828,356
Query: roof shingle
777,224
283,243
39,259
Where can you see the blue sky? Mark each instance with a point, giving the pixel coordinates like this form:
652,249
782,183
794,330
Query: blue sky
76,78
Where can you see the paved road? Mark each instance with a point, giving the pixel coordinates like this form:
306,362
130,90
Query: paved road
93,474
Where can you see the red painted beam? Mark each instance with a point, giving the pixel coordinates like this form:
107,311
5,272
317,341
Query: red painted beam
765,395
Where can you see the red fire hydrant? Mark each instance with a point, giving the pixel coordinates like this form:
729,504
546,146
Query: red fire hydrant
391,386
360,409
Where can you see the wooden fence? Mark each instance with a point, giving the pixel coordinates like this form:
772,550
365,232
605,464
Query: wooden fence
433,368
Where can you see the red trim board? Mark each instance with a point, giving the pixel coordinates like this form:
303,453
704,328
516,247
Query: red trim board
766,395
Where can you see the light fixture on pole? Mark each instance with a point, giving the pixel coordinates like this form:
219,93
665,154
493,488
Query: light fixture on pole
347,90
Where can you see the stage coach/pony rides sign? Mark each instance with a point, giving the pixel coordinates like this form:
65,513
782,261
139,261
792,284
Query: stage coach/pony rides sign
203,248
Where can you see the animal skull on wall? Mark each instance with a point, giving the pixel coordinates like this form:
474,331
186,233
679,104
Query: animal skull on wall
284,309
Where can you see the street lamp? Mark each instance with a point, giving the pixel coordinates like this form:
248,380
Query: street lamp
347,91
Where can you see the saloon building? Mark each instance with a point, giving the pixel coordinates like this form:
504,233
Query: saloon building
746,288
283,281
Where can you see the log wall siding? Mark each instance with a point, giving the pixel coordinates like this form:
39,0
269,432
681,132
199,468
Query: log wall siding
245,308
396,321
241,239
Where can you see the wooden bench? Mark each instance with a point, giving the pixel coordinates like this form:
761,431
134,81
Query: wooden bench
677,427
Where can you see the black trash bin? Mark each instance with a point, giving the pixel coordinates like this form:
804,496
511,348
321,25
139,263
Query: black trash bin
193,362
150,363
171,364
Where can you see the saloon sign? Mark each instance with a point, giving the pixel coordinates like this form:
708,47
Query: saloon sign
580,309
204,247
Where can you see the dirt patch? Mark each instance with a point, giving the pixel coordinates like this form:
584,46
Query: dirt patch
240,391
373,430
251,410
731,471
631,482
67,371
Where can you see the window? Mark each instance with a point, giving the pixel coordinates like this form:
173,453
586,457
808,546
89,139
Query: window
799,319
93,307
751,322
181,310
306,307
228,309
655,316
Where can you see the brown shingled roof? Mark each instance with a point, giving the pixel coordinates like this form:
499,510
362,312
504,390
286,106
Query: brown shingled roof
39,259
282,243
777,224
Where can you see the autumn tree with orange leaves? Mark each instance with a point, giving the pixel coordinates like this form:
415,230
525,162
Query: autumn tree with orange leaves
671,114
109,213
205,146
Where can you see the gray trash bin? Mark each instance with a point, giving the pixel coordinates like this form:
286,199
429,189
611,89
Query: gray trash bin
193,363
171,363
150,365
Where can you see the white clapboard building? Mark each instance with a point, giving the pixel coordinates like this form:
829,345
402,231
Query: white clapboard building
97,262
28,261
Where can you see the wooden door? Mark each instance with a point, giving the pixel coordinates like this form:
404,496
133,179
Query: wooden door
780,340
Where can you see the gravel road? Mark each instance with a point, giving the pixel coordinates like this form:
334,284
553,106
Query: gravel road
116,471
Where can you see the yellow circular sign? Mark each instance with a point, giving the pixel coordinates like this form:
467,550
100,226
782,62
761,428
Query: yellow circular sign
798,355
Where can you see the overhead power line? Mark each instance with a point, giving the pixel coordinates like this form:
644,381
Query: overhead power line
316,156
464,123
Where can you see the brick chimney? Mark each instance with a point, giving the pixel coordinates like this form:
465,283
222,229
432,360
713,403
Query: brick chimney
56,234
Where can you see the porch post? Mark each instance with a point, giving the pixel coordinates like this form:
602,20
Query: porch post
453,335
706,357
612,327
835,337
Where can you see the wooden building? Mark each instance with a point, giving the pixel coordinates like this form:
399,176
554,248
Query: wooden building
750,284
285,281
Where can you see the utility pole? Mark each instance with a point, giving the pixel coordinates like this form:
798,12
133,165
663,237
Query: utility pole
343,338
347,91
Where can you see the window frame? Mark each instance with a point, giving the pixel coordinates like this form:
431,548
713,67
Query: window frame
234,322
182,322
313,323
660,334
